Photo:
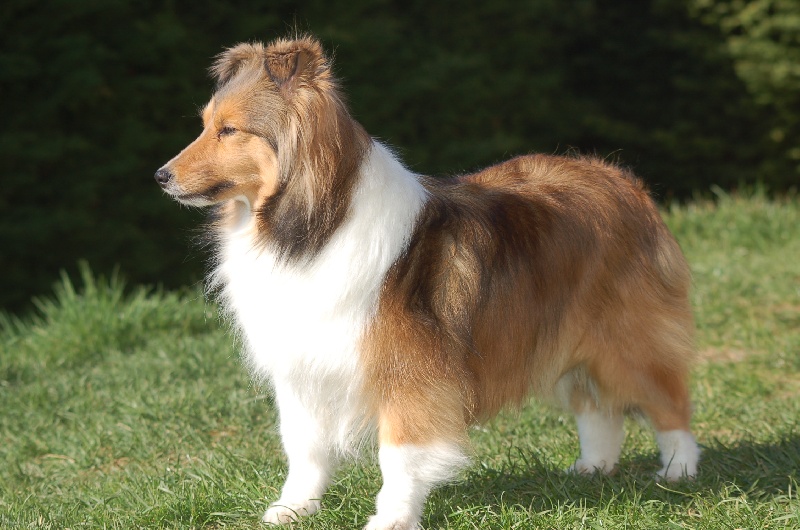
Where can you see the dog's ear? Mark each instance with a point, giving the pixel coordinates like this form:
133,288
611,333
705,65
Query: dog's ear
292,63
231,61
283,66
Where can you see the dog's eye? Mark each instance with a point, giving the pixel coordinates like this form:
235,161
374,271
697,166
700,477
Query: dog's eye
226,131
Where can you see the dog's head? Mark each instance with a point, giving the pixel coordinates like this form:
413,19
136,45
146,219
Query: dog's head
274,128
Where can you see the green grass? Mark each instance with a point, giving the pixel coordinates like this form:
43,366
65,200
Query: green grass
130,409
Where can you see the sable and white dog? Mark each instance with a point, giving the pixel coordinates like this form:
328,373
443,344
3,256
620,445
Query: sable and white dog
376,300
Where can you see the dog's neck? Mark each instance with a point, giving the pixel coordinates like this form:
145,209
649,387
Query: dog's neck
382,206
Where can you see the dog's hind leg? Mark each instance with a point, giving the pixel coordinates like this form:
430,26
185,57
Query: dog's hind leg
310,460
679,454
601,433
669,410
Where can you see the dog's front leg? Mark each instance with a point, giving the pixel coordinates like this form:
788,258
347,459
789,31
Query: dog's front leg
410,472
310,460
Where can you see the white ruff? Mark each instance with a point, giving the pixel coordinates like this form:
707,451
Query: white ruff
302,324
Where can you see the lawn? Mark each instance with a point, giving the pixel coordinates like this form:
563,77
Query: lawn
129,408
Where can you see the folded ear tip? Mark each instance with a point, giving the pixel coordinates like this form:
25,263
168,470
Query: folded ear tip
288,58
281,66
231,60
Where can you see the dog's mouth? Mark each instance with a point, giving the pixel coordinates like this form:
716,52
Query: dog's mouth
193,199
205,198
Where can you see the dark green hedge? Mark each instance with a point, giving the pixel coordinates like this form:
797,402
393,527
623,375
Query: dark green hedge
98,94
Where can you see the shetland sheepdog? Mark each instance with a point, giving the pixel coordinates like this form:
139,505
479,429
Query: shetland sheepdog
378,301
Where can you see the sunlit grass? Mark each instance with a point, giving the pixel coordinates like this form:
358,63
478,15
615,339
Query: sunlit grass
130,409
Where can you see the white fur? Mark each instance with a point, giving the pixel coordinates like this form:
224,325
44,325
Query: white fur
310,461
409,473
679,454
302,324
601,435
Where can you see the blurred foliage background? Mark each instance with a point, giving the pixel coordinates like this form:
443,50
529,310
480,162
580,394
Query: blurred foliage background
98,94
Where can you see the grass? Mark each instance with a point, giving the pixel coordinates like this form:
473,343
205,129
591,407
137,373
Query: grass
129,409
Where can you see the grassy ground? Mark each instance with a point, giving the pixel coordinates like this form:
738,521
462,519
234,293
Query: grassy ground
132,411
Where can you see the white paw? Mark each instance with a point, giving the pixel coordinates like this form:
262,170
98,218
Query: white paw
283,512
679,454
585,466
377,522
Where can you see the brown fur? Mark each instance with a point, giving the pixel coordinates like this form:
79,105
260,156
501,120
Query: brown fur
546,275
542,274
278,132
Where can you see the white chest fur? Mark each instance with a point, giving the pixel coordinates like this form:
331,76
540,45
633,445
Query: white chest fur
302,325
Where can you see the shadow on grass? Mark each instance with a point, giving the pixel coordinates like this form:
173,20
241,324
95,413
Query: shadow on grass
761,470
755,467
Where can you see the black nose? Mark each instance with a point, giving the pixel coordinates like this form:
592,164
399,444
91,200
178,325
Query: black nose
163,176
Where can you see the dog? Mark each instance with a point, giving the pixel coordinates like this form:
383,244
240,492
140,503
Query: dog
377,302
